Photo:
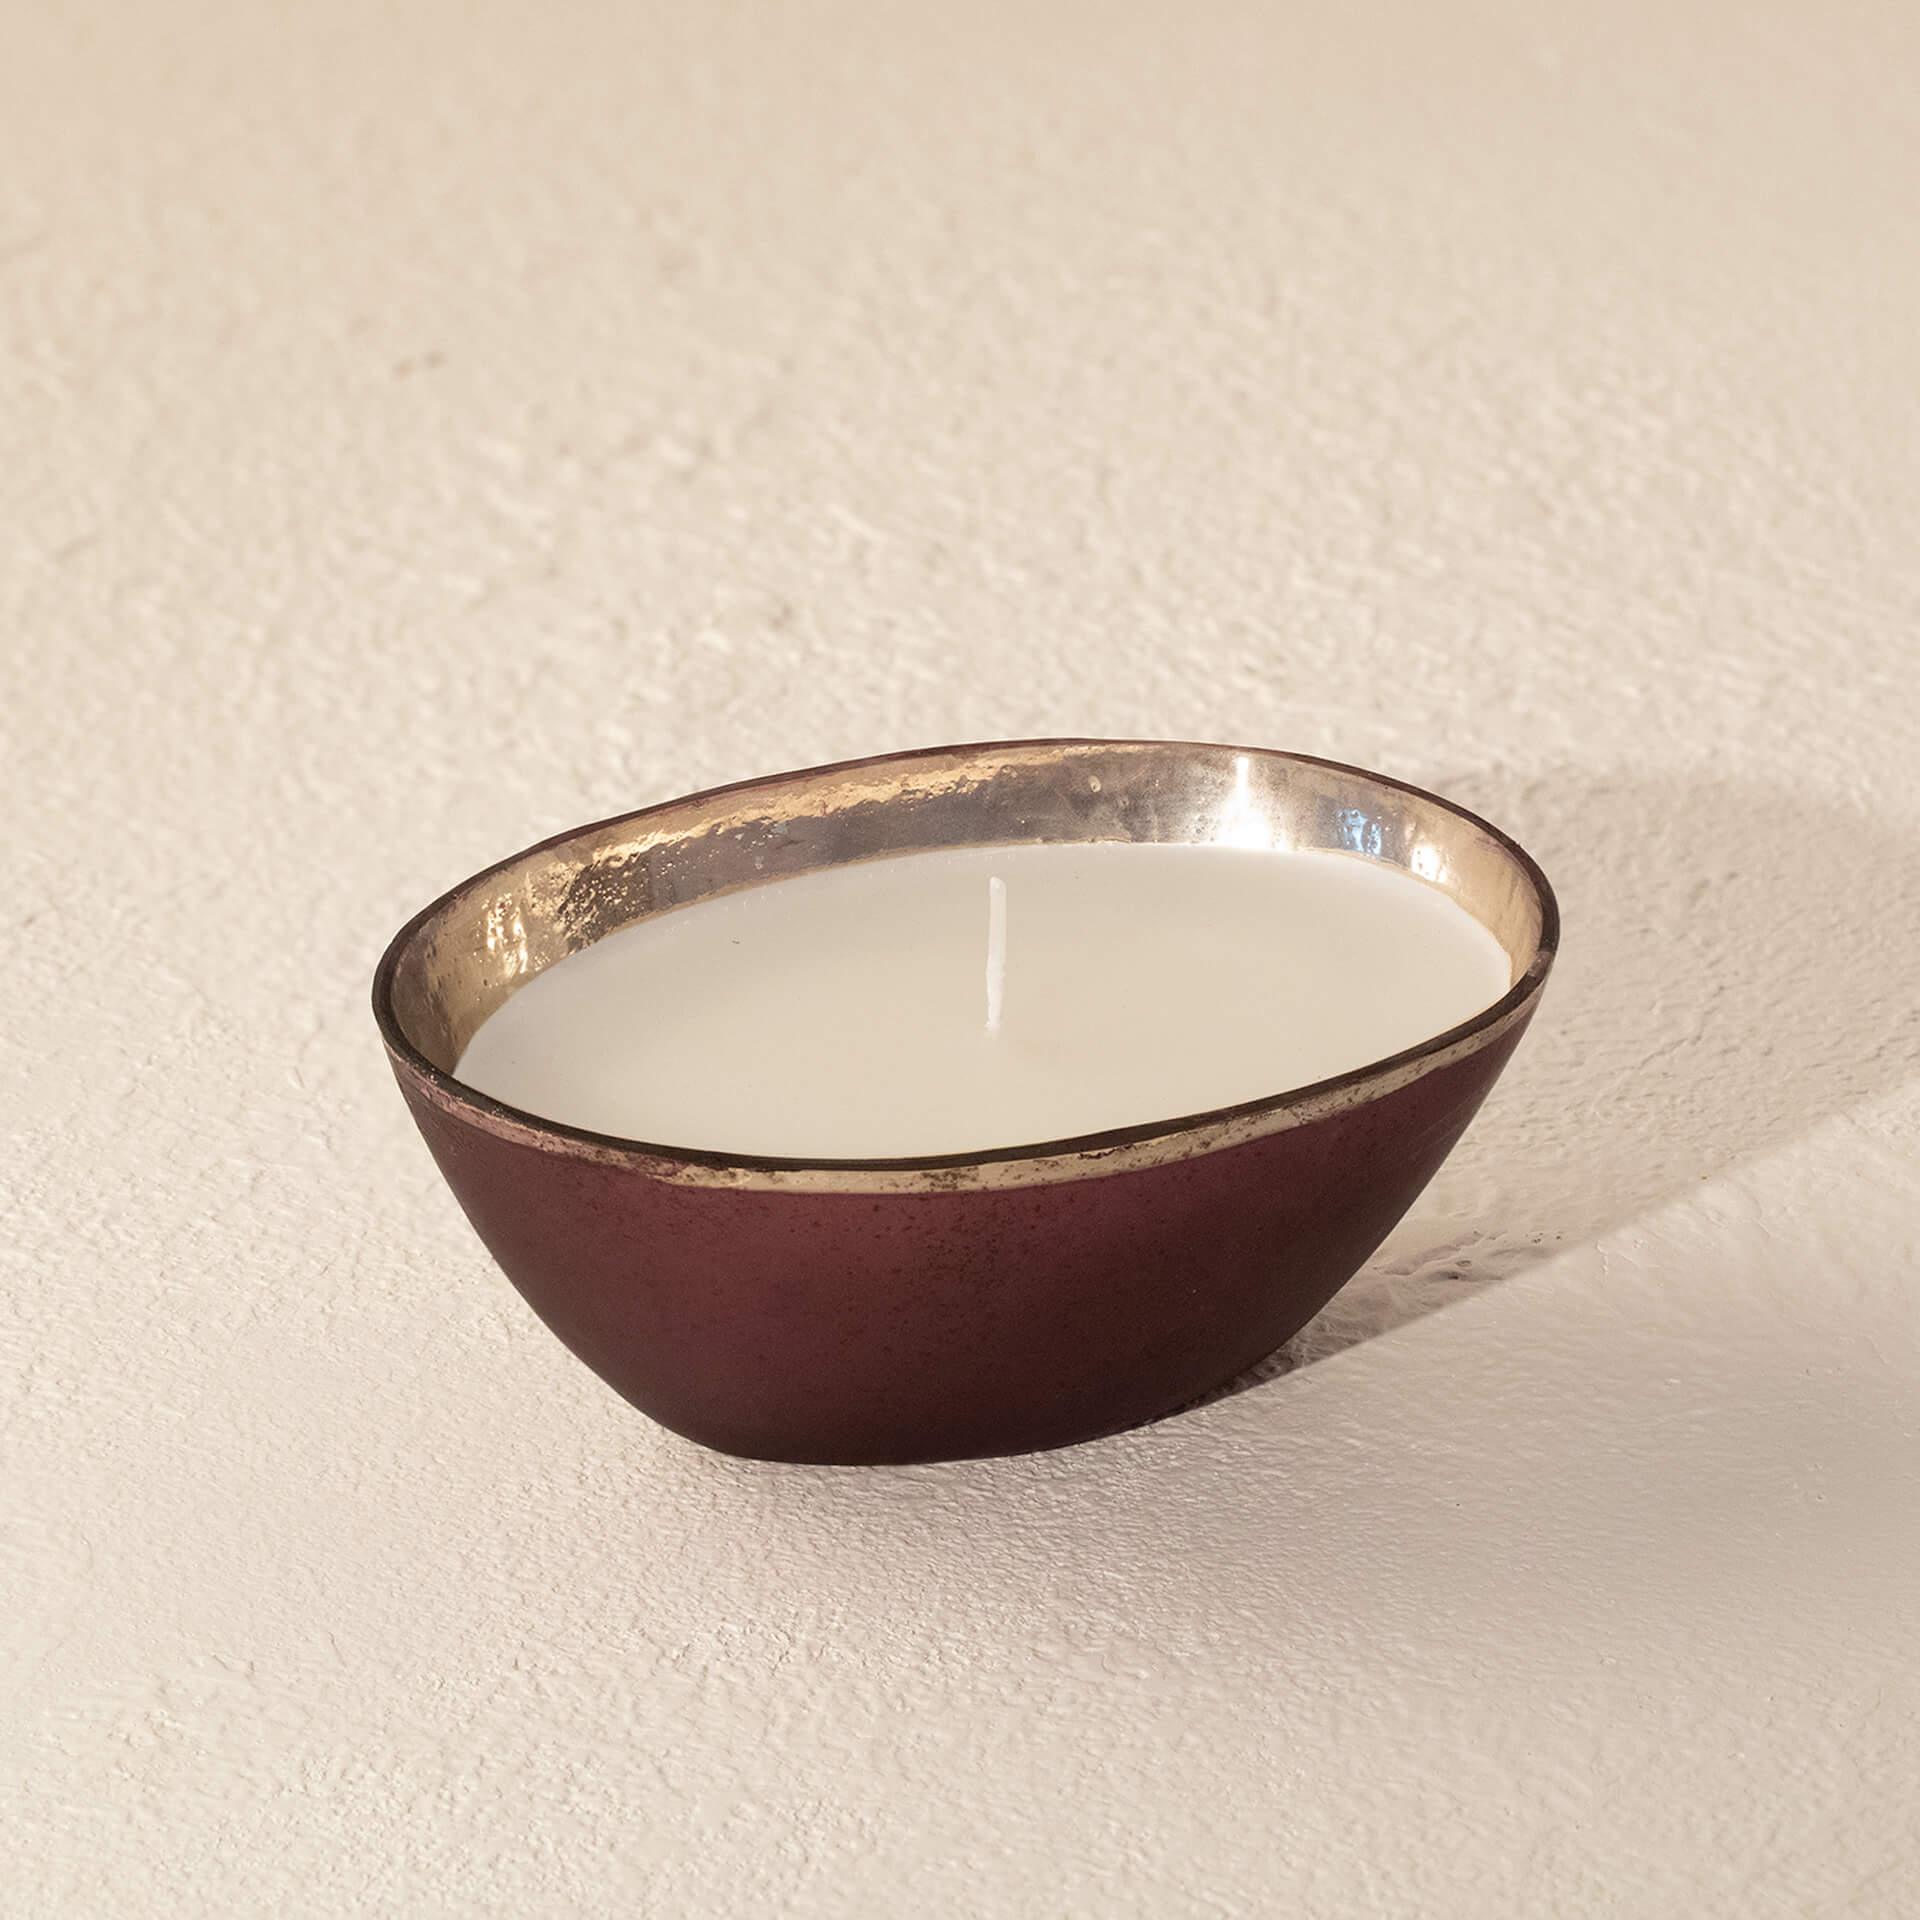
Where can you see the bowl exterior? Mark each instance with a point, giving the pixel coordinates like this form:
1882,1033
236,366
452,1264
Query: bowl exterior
955,1321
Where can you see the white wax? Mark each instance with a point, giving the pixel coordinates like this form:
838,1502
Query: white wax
845,1015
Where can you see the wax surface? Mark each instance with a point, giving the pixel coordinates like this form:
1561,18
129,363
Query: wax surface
844,1014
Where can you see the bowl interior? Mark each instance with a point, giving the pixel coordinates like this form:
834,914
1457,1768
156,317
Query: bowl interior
458,961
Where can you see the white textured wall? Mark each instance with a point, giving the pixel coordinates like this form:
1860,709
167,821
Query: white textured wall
426,426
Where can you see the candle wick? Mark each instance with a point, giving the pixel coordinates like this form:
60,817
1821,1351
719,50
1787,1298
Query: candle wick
996,951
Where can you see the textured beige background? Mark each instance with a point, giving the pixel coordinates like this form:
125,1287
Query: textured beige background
427,425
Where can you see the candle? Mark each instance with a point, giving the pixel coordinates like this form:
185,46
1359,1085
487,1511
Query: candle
844,1014
847,1031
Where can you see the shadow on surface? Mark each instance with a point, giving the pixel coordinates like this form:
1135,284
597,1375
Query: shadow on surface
1730,975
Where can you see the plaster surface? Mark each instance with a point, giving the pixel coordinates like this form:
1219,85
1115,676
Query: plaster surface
429,427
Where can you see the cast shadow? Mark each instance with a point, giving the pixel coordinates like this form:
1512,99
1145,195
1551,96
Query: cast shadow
1736,967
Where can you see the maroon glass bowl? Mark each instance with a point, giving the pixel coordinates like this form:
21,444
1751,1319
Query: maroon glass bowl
969,1303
